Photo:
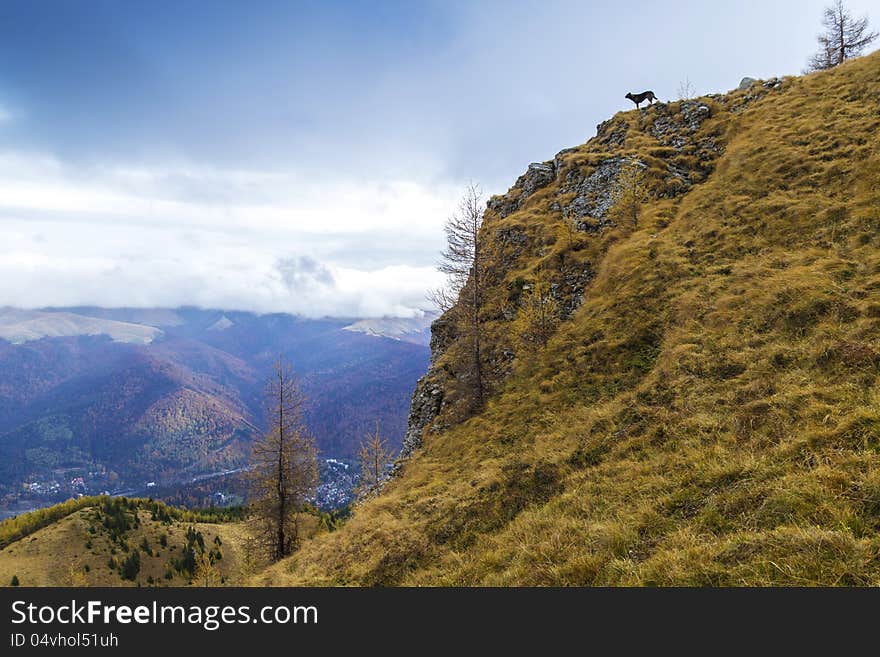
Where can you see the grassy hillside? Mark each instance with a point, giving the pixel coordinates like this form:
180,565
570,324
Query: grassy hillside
88,542
709,413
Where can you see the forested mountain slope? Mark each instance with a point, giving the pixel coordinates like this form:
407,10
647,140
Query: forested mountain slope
111,399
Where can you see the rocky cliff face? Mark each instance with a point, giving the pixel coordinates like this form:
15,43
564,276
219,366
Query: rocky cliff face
677,146
427,400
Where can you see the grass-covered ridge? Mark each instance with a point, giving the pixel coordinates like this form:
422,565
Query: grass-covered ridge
120,541
710,415
117,541
18,527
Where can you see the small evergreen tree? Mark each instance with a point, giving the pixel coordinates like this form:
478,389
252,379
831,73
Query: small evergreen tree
14,581
131,566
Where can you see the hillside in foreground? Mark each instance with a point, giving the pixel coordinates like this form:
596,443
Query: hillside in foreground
123,542
707,412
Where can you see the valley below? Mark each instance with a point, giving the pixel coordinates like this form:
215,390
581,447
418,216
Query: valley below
165,403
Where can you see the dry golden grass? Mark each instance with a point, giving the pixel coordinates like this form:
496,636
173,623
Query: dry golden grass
710,415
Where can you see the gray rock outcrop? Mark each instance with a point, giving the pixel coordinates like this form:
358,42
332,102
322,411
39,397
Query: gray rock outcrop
426,402
538,175
592,193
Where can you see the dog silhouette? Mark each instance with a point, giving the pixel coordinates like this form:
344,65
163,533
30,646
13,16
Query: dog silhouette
642,97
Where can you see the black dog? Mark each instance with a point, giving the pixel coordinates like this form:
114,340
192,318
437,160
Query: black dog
642,97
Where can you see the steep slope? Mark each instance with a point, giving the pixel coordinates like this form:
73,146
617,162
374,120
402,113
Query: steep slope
708,411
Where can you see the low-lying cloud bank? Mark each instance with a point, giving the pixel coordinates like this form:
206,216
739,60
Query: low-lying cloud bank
262,242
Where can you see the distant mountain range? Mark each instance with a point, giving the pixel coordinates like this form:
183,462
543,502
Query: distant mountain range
413,329
19,326
122,397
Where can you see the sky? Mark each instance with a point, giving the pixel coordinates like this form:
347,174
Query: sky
302,157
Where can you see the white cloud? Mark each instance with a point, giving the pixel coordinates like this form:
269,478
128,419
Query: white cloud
259,241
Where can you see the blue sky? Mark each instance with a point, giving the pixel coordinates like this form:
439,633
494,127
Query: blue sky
167,153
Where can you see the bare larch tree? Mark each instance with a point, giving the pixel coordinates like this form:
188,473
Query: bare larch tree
464,263
373,457
844,37
284,467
